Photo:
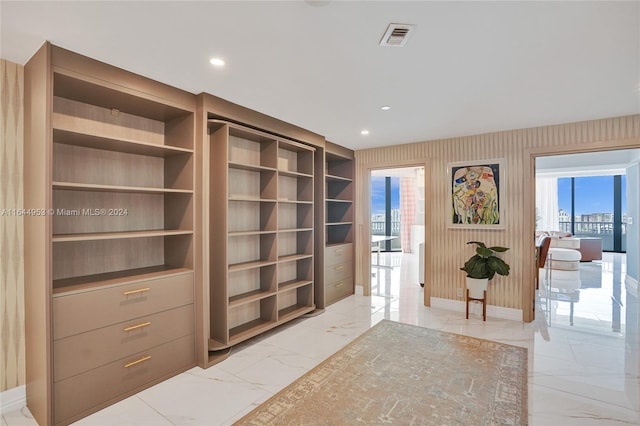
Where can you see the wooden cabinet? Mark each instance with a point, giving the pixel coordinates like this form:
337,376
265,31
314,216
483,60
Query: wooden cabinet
339,267
109,163
261,240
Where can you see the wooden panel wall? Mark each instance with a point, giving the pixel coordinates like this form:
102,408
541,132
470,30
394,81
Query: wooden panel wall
12,361
448,246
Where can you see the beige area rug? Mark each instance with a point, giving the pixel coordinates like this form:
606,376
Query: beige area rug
406,375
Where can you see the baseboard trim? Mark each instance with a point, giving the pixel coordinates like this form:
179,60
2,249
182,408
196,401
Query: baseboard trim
13,399
631,284
476,309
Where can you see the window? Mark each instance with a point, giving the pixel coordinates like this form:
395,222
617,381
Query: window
594,206
385,209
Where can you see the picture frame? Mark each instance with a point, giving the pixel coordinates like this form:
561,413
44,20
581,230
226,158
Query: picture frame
476,194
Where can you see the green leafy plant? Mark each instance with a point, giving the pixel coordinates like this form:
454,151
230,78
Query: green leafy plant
485,263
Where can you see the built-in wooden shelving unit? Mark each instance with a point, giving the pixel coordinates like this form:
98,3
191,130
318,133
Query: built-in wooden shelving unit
339,228
261,242
110,281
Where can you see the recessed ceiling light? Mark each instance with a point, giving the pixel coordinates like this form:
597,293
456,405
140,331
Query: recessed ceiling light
385,107
217,62
364,132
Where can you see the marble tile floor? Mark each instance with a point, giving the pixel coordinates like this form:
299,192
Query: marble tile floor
576,376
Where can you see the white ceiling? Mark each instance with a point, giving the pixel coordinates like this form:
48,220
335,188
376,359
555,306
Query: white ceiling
469,67
588,163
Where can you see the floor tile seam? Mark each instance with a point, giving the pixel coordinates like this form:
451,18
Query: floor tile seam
238,379
531,392
148,404
580,374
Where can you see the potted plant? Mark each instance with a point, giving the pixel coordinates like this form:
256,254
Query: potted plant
482,267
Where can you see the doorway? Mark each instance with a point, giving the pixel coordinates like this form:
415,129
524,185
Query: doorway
586,202
397,228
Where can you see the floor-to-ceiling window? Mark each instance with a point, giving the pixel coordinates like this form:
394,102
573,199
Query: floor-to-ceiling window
385,210
594,206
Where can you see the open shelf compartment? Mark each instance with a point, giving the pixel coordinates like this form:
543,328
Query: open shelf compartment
252,216
248,285
295,302
339,233
251,251
252,149
250,319
92,263
295,216
295,159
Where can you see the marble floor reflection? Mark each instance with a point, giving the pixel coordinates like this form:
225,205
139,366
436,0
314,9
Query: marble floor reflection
585,374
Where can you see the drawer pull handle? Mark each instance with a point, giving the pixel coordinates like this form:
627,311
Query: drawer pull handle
134,327
337,268
143,359
340,284
140,290
339,250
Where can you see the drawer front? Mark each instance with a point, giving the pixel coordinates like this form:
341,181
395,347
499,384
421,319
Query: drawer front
336,290
86,392
86,311
86,351
337,272
342,253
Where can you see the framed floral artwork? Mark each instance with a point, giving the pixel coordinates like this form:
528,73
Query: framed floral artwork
477,196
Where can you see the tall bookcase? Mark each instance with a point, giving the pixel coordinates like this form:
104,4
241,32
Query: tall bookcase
261,232
109,179
339,267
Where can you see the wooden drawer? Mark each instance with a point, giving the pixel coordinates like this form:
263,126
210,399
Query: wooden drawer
337,254
335,290
335,273
85,351
80,312
86,392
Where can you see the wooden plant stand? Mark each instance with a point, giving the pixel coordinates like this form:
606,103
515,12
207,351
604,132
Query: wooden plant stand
483,301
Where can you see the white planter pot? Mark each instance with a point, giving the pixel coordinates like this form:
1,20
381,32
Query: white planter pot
476,287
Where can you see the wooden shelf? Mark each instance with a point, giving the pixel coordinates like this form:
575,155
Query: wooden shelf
294,174
295,230
249,233
215,345
248,297
250,167
253,199
88,282
293,284
71,186
288,201
293,311
80,87
68,136
117,235
249,329
341,243
293,257
250,265
335,178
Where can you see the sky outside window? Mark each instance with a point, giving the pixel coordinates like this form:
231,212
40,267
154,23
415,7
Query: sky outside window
377,194
593,194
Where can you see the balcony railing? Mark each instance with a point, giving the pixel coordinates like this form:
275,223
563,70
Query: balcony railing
377,228
603,230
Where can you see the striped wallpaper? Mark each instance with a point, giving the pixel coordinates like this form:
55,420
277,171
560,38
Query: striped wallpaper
12,371
448,249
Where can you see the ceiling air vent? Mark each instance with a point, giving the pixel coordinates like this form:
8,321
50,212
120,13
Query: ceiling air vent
396,35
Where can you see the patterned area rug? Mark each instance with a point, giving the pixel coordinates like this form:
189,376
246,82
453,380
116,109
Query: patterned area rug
402,374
